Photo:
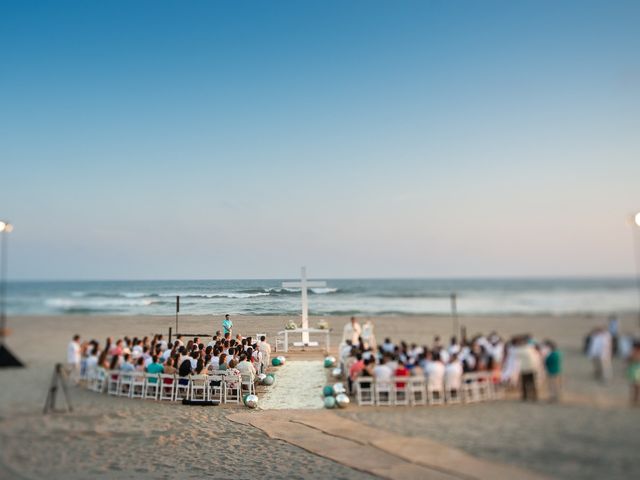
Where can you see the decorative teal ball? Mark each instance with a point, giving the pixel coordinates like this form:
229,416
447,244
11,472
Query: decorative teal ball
268,380
276,362
244,398
329,362
327,391
329,402
282,359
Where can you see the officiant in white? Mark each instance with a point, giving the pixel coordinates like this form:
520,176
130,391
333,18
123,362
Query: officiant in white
351,332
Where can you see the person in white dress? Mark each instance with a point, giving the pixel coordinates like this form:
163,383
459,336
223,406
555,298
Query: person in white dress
368,337
265,349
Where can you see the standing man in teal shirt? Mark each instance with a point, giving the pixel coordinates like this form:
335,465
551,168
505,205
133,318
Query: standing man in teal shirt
227,324
553,365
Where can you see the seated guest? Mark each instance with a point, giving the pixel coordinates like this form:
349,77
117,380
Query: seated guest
382,372
387,346
223,362
154,366
246,367
184,371
434,371
453,374
127,366
401,371
169,367
140,365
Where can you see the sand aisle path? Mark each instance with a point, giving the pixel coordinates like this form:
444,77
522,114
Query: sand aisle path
376,451
298,386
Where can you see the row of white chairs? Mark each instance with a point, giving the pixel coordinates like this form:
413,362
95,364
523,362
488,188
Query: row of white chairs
221,386
473,387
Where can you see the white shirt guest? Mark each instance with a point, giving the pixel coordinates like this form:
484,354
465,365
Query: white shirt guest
73,358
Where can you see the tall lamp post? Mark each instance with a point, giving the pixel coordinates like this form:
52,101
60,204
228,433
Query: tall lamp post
7,359
635,225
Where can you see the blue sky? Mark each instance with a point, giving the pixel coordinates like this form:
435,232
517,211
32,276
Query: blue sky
244,139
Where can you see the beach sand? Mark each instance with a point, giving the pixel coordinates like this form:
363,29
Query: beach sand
592,434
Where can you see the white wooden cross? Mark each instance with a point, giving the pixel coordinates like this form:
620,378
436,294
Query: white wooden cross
303,284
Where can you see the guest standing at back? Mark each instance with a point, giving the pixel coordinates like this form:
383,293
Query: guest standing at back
553,366
227,325
73,358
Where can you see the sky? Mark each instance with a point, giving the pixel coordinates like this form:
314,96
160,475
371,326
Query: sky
201,139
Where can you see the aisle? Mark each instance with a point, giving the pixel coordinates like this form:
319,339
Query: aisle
298,385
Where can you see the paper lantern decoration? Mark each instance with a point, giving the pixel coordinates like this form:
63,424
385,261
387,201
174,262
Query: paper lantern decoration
329,402
336,372
342,400
268,380
282,359
261,377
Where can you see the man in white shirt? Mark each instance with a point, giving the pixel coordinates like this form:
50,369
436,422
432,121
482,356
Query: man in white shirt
382,372
434,371
453,374
246,367
73,358
352,331
600,353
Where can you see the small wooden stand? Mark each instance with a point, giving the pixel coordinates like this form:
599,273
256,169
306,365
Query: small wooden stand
59,378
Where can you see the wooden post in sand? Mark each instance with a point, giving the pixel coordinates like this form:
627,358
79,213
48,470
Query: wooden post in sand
7,359
454,314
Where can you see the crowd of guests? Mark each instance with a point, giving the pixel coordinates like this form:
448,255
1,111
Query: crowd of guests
603,343
221,352
520,360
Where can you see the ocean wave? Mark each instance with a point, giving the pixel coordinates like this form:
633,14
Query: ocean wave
216,295
68,303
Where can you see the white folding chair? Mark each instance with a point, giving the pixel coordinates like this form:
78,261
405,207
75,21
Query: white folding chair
384,392
248,385
199,387
167,386
137,385
417,390
125,381
402,394
216,386
98,380
470,388
151,385
181,389
232,388
435,392
113,382
452,389
484,386
364,391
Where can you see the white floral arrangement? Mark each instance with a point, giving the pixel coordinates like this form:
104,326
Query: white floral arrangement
323,325
291,325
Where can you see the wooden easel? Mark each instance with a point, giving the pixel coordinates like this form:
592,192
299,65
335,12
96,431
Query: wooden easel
59,378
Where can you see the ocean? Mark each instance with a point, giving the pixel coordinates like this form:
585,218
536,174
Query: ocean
340,297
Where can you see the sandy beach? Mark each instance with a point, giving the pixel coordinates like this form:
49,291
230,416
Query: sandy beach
592,434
